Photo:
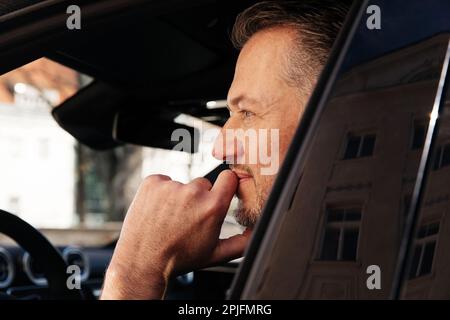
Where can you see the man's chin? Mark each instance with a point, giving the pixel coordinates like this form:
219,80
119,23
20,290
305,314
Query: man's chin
246,217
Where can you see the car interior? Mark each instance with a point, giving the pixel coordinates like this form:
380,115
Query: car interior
143,64
363,186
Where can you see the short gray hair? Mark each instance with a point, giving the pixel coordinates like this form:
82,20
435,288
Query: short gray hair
317,23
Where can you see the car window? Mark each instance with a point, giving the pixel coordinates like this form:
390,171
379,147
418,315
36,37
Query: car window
425,268
339,234
56,183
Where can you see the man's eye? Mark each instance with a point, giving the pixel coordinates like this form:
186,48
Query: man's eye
247,114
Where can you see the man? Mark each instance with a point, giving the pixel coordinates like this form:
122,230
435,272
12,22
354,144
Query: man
172,228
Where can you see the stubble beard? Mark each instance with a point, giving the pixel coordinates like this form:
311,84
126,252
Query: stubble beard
248,216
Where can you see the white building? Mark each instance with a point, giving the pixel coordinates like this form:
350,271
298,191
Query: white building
37,168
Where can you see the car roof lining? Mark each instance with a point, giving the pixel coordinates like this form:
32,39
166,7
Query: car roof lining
9,6
166,58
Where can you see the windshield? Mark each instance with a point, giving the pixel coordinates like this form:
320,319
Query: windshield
59,185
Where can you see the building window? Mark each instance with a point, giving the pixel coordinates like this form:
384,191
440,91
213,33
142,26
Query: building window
419,134
359,146
424,248
442,157
340,238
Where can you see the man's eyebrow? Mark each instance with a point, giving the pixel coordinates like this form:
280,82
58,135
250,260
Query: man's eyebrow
241,98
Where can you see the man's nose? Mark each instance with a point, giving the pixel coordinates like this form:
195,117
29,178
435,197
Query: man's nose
227,147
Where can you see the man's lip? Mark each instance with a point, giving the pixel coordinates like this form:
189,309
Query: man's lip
242,175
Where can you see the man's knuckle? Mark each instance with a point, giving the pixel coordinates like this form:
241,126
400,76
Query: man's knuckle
169,188
193,190
152,179
203,182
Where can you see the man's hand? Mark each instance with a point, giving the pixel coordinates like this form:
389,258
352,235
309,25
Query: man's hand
170,228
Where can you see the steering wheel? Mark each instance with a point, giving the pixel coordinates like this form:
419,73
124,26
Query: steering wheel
43,253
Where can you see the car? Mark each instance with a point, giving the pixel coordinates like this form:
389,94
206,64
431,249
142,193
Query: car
95,82
88,108
359,209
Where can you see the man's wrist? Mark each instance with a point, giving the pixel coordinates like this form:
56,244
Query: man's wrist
121,284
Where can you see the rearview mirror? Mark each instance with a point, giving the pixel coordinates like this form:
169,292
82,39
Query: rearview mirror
103,124
138,129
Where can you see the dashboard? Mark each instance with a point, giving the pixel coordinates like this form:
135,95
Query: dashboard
23,279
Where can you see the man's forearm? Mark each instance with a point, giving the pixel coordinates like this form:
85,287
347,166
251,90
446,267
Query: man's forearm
119,285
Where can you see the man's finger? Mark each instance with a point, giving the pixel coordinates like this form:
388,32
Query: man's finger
225,185
202,182
231,248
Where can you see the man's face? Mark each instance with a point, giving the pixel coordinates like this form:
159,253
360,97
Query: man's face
260,98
